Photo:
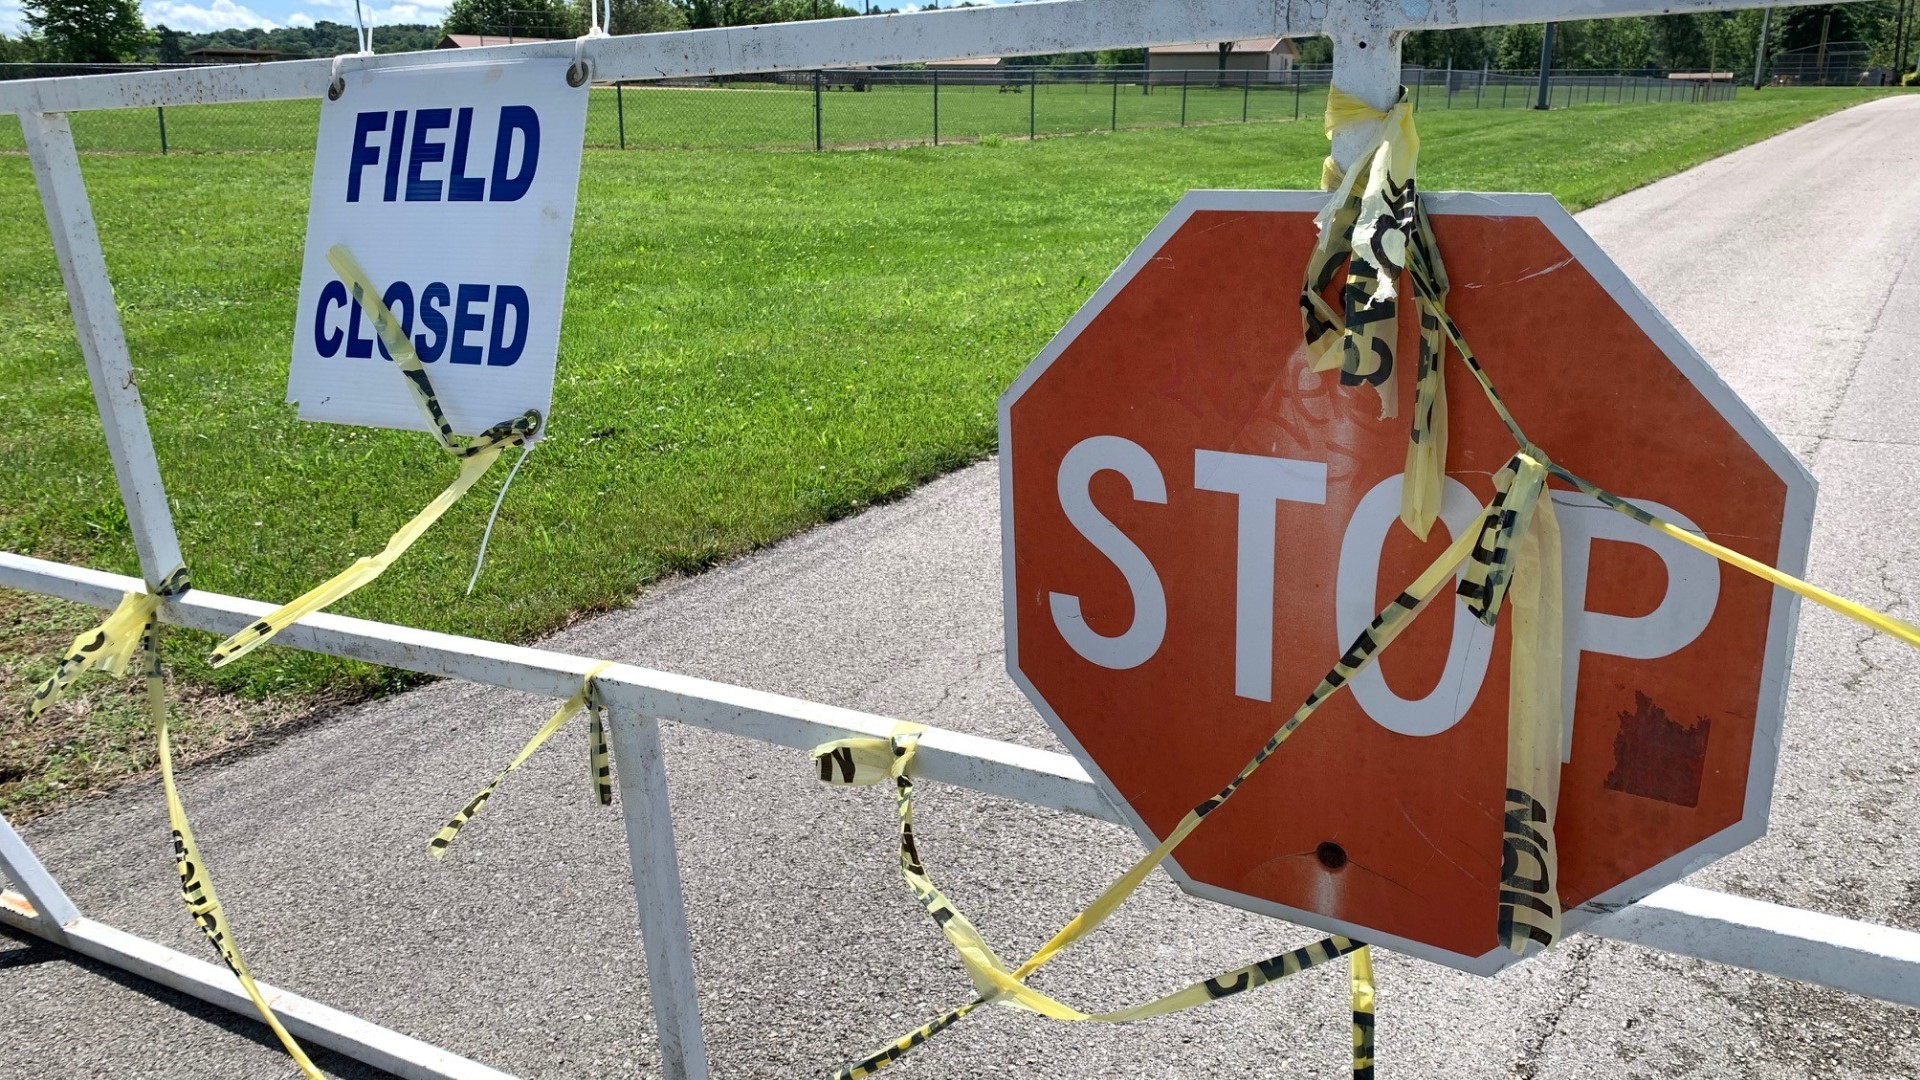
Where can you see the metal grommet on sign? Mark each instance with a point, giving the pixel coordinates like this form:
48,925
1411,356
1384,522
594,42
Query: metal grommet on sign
577,73
338,84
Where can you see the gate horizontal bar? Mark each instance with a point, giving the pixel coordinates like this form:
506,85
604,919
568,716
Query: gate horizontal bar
309,1021
1846,954
1002,30
1039,777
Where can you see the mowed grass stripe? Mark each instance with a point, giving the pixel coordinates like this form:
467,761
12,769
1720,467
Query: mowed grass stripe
754,343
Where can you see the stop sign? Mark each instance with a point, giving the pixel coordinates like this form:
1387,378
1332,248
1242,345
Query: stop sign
1196,526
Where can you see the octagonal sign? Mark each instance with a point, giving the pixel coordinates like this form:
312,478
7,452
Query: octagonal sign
1196,525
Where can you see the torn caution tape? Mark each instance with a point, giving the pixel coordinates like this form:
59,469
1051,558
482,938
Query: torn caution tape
109,648
864,761
599,763
476,457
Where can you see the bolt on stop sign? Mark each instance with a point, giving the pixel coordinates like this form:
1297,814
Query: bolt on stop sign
1197,525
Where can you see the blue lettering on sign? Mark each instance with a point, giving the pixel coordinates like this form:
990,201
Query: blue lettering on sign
489,323
424,153
433,305
383,140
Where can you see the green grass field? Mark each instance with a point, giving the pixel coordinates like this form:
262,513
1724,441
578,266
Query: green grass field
760,116
755,343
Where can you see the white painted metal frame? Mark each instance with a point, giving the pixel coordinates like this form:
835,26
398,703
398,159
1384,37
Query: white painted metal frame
1871,960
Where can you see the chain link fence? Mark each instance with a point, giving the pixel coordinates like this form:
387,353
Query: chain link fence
817,110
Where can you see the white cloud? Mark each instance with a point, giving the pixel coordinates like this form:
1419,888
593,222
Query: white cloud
11,22
218,15
300,19
400,11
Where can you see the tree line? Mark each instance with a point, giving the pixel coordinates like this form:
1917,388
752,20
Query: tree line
97,31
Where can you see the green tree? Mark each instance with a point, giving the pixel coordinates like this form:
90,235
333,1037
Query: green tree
20,50
645,17
517,18
1520,48
169,50
1615,44
88,31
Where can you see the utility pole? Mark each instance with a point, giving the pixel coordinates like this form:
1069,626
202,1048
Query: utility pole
1825,25
1902,31
1546,64
1760,50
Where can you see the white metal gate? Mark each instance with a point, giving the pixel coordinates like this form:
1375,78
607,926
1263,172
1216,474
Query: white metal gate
1862,958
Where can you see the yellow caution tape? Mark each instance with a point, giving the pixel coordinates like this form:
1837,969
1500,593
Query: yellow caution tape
863,761
360,573
477,456
109,648
585,697
1360,979
1369,232
869,760
1366,224
1529,908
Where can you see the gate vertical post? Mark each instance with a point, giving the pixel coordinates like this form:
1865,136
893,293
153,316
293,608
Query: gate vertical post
161,111
1033,94
1366,64
1184,74
76,246
1114,123
817,141
641,772
1246,89
620,111
52,909
1546,67
936,106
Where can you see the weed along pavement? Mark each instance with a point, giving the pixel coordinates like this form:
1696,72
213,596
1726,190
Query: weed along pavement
1787,264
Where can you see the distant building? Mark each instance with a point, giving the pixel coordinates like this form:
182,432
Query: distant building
229,54
985,70
1269,55
475,41
972,64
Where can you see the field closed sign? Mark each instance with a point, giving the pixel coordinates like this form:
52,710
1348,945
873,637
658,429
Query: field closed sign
453,186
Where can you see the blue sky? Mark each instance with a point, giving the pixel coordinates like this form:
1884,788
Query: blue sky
204,15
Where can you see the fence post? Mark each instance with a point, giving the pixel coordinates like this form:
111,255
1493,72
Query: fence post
1503,93
162,110
1296,93
620,112
1449,80
1546,68
641,771
1481,90
1419,86
1033,96
1184,73
1114,123
816,112
936,106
